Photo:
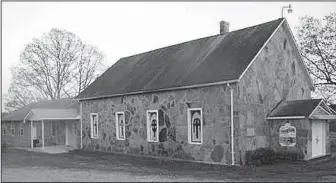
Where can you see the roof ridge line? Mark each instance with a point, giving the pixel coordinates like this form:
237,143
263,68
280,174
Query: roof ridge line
257,24
168,46
137,54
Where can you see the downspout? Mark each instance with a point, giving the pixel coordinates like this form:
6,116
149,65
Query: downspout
31,134
232,127
81,124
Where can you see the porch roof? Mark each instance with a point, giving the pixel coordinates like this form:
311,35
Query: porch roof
20,114
52,114
300,109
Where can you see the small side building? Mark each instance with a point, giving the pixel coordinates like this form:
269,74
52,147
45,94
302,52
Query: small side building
301,126
41,124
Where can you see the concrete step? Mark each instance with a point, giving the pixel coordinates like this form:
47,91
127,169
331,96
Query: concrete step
321,159
69,148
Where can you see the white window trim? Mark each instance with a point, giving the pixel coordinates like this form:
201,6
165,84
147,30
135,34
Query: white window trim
12,127
91,121
148,125
189,126
117,125
21,128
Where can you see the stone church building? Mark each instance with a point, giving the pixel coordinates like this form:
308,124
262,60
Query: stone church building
208,100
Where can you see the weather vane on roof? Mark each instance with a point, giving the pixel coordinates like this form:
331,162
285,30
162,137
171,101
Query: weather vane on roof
290,10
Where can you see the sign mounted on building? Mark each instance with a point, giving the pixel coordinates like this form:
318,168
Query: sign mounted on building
287,135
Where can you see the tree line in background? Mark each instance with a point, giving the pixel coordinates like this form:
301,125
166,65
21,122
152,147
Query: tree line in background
60,65
316,40
57,65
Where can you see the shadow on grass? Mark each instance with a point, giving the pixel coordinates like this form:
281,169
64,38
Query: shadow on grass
80,160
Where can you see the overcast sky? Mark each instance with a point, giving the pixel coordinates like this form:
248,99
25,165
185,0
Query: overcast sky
121,29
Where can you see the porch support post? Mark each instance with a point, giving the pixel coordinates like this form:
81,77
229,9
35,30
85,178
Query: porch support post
81,125
31,134
66,133
42,134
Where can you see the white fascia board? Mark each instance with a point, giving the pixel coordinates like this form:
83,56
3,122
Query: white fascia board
59,119
329,111
315,109
330,117
332,110
161,90
301,60
325,110
24,119
287,117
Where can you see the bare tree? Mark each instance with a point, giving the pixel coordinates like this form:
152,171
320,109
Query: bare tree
57,65
317,43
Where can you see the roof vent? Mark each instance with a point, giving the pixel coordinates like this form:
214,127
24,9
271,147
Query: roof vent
224,27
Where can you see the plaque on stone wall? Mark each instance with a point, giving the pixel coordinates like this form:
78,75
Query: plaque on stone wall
250,132
287,135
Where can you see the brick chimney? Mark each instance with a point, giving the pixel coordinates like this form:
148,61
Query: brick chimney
224,27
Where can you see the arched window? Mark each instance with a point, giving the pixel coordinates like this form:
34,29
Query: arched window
195,126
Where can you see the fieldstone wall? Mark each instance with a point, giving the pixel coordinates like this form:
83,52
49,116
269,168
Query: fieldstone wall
173,129
276,75
303,137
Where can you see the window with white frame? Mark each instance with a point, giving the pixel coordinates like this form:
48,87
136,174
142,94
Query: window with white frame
152,126
94,125
12,129
21,130
53,128
195,126
120,125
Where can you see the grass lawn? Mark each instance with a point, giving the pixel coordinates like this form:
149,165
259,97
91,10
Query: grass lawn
20,165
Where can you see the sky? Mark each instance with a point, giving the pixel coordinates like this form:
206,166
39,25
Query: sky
121,29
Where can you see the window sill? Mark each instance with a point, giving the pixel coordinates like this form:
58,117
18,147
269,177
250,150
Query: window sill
152,141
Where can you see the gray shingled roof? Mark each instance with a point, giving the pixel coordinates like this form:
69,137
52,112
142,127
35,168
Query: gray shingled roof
45,114
295,108
207,60
20,114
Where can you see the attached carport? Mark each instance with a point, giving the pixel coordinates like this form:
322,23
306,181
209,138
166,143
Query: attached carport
67,120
